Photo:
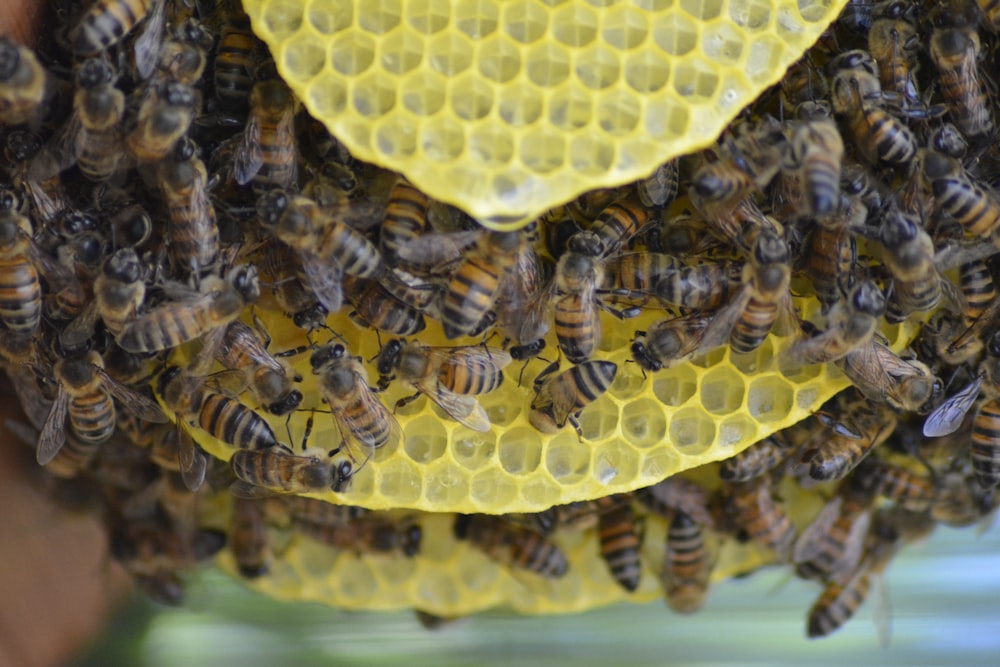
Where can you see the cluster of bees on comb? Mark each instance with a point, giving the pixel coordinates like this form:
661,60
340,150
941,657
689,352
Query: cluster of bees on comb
163,191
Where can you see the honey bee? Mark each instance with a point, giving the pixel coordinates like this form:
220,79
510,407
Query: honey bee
322,513
701,287
25,85
367,535
659,188
106,22
248,538
883,376
852,324
276,470
449,376
619,541
955,52
165,114
763,300
948,140
84,394
20,285
814,156
840,452
971,203
184,56
282,267
856,180
803,82
405,218
267,156
46,196
617,224
752,508
194,236
119,290
150,547
830,548
521,305
512,545
375,306
638,271
560,397
686,565
270,379
195,314
361,418
909,256
676,494
979,291
669,341
326,247
877,136
236,56
900,485
754,461
893,42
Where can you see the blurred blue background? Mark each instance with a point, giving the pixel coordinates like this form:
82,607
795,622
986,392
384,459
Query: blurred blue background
944,595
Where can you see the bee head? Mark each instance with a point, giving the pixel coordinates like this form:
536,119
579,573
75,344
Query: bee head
271,206
94,72
389,357
342,476
325,355
244,280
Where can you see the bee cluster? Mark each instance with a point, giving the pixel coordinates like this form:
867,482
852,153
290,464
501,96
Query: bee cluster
165,200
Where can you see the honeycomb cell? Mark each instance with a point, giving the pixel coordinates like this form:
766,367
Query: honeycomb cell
616,462
657,463
401,52
713,358
597,67
666,118
542,150
753,361
643,423
428,16
764,55
473,449
628,382
705,10
352,53
692,431
769,399
525,21
491,490
477,18
282,18
491,144
806,397
500,409
380,16
567,460
675,386
470,98
442,140
329,94
723,43
314,558
625,27
732,431
500,60
475,578
751,14
570,109
591,152
396,574
547,64
447,485
437,591
449,54
396,137
327,19
618,113
306,57
722,391
418,96
800,373
426,440
542,492
696,80
646,71
400,480
574,24
357,583
513,185
520,450
675,33
600,419
520,104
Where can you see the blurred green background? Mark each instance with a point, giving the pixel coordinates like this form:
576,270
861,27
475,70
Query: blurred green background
944,595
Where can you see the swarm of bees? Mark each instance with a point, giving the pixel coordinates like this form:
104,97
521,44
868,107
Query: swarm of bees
160,180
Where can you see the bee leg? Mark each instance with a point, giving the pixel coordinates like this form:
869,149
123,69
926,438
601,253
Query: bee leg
403,402
575,423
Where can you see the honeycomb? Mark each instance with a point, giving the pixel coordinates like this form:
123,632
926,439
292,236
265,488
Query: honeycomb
642,430
508,108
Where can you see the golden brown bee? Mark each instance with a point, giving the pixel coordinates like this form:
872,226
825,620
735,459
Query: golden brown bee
909,256
686,565
236,56
814,156
151,547
276,470
659,188
979,291
266,156
560,397
638,271
119,290
893,42
619,541
830,548
366,535
955,52
377,307
165,114
326,247
752,509
248,539
877,136
512,545
106,22
676,494
763,300
852,323
669,341
405,218
184,56
47,197
20,286
282,268
84,394
521,305
270,379
702,287
193,235
754,461
449,376
884,377
973,204
840,452
360,416
857,181
24,84
193,313
901,485
322,513
617,224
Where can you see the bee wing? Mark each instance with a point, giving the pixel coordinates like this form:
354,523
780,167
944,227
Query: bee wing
143,407
438,251
476,357
787,322
853,548
190,458
210,344
229,383
537,315
810,542
146,48
720,328
881,609
248,157
81,328
248,491
351,427
948,416
57,155
466,410
325,280
53,435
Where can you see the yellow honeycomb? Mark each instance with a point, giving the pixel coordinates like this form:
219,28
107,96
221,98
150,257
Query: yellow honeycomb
507,108
451,578
642,430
